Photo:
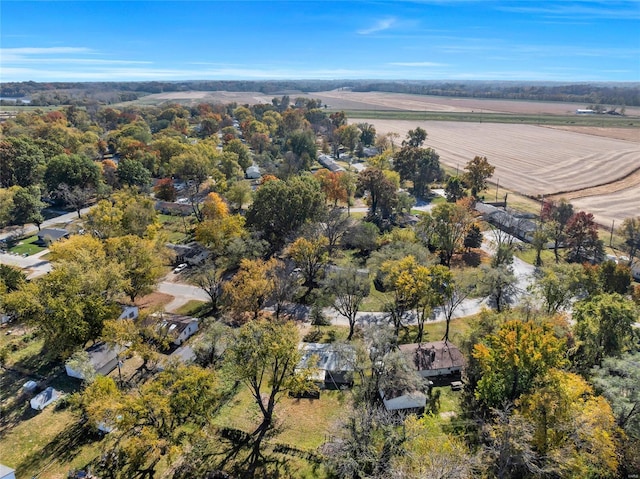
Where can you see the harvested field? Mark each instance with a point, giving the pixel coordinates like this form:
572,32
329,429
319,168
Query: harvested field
348,100
541,161
629,134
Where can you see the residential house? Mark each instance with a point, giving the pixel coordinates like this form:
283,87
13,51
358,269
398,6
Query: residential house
329,163
102,357
434,359
6,472
129,312
46,397
192,253
46,236
520,225
177,327
332,364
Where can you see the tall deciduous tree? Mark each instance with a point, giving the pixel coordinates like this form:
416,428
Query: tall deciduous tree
141,260
445,228
382,192
478,172
281,207
603,327
583,244
27,206
310,256
630,232
251,287
349,288
555,216
264,357
513,358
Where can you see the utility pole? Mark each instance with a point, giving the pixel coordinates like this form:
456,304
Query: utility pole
497,186
613,222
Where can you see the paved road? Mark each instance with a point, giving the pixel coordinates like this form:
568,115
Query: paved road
182,293
32,229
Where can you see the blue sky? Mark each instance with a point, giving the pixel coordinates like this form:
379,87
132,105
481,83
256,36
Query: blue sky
542,40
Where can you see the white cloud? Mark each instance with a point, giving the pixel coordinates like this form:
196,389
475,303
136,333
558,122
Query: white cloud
379,26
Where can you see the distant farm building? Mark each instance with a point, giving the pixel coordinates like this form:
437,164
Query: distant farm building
580,111
329,163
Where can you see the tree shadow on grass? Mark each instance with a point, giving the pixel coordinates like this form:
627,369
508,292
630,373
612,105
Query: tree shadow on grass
63,448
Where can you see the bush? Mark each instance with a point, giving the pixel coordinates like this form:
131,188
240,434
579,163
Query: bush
313,336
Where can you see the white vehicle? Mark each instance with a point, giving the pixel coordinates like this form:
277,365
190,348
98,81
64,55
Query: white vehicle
180,268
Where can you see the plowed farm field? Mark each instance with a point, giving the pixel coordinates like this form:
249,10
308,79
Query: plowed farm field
539,161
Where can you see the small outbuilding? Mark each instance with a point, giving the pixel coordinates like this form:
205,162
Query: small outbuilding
253,173
42,400
405,401
6,472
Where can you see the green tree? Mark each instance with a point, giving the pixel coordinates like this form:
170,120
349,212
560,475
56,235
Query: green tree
499,283
349,288
603,327
478,171
281,207
132,173
27,206
264,357
555,217
22,162
445,228
513,358
630,232
244,156
72,170
382,196
454,190
142,263
558,285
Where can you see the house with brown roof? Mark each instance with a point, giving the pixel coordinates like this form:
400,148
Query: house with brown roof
437,358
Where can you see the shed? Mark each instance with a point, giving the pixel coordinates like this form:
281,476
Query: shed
46,397
333,363
407,401
102,357
47,236
438,358
6,472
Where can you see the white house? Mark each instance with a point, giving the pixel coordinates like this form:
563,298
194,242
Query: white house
6,472
129,312
176,326
333,364
102,358
438,358
42,400
253,172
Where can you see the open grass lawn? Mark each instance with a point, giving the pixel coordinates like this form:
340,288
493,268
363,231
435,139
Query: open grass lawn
434,331
27,246
177,228
528,255
301,423
193,307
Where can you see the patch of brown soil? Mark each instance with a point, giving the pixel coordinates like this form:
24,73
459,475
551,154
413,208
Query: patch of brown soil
153,300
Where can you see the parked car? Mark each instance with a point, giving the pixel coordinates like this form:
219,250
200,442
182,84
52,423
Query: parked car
180,268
